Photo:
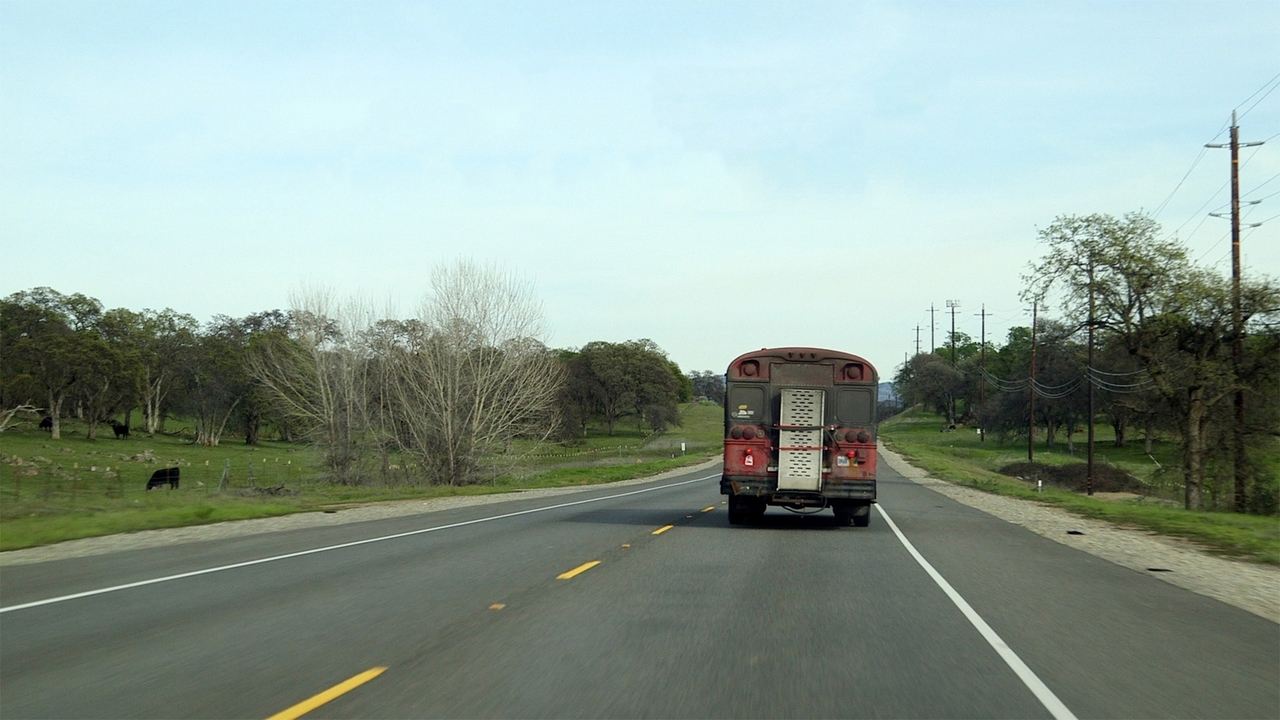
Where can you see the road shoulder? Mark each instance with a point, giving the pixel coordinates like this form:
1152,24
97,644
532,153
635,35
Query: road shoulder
1248,586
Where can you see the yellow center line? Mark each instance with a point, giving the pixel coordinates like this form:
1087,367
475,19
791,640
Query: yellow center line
662,529
578,570
316,701
709,508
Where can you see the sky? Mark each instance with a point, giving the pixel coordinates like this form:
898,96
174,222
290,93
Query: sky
715,176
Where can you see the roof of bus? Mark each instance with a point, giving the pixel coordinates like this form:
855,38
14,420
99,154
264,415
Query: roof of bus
806,354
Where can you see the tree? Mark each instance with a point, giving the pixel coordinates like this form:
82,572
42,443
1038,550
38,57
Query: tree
608,383
576,400
216,380
166,350
709,385
475,375
657,385
45,337
933,382
1173,317
314,367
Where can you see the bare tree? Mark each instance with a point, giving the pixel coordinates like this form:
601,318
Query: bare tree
317,373
473,375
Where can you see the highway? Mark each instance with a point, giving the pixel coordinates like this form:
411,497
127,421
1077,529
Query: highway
619,602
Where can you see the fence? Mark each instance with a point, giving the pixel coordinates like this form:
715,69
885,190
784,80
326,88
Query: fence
33,487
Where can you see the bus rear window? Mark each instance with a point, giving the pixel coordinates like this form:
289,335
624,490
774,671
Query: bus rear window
746,403
853,406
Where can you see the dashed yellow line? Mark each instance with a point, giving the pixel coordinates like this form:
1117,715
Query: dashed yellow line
662,529
578,570
316,701
709,508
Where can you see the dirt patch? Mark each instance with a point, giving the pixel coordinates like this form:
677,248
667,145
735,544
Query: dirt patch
1072,477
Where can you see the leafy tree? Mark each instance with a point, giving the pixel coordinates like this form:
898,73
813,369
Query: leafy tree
217,380
1173,317
576,400
167,351
933,382
608,381
47,343
708,385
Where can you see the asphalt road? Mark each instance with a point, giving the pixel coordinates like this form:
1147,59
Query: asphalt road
792,618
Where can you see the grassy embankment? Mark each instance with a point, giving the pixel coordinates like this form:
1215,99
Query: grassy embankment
960,457
52,491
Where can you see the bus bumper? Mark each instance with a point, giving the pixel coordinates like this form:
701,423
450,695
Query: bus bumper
862,489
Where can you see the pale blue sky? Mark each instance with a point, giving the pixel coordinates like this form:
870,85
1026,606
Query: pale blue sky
715,176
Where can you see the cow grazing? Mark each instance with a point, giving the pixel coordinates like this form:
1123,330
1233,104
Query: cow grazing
46,423
121,431
164,476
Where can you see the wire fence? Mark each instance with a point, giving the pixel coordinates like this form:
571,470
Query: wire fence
38,486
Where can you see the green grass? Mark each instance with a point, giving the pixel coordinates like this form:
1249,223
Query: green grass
960,457
52,491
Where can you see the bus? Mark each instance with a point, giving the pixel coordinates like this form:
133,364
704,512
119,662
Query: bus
800,433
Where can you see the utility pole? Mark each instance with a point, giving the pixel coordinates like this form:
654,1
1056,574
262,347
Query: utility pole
1031,390
982,366
917,339
1088,373
951,407
953,305
1237,324
932,325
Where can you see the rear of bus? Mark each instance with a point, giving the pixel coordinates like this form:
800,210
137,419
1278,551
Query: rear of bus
800,433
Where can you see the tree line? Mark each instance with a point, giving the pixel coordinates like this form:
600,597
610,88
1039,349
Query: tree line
1162,360
443,396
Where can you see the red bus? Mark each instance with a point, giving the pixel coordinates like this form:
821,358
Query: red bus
800,433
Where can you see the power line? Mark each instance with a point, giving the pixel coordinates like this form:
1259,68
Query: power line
1211,197
1266,220
1266,197
1114,374
1264,183
1204,150
1272,82
1260,89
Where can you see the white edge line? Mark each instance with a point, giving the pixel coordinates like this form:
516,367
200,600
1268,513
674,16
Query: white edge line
1037,687
327,548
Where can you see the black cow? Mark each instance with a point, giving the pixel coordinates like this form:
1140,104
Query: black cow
46,423
163,476
121,431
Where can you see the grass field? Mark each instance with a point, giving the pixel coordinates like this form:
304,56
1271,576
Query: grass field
74,487
961,457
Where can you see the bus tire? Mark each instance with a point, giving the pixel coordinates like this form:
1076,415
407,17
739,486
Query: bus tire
862,515
737,510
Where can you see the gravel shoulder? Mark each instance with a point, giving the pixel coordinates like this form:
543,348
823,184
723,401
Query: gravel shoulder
1248,586
374,511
